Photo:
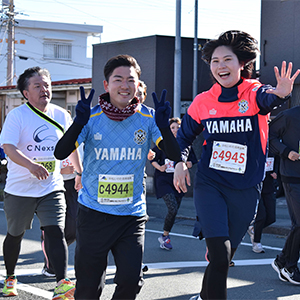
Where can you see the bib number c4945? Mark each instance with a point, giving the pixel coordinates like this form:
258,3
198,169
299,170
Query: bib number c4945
229,157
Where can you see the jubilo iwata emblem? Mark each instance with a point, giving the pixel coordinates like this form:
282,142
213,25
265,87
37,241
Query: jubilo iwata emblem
243,106
140,136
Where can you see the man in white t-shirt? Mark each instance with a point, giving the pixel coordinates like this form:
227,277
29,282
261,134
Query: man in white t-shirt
34,183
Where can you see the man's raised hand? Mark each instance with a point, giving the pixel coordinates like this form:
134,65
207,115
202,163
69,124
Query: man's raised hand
162,110
83,107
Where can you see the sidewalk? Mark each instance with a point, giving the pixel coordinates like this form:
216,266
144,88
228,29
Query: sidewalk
187,213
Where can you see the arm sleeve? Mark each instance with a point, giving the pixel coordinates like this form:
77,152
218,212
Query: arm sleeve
276,164
169,144
67,144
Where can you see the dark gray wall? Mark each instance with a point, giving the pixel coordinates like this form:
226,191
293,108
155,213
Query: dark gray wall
280,40
142,49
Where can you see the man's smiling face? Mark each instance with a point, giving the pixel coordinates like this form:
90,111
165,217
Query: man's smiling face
122,86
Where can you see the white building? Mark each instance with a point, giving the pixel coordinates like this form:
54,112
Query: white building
62,48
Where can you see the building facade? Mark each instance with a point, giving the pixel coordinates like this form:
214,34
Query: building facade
280,26
60,47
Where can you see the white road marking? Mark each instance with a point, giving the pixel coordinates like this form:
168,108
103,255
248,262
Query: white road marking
266,247
151,266
192,237
172,233
111,270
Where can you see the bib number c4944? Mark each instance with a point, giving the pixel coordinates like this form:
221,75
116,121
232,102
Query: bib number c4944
115,189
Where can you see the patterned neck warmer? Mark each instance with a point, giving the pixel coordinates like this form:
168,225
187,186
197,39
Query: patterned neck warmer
115,113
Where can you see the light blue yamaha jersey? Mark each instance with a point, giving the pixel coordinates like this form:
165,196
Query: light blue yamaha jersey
115,155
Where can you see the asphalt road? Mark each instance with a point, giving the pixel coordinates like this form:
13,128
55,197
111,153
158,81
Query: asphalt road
172,275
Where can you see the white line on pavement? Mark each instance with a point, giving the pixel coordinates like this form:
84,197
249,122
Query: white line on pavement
192,237
153,266
172,233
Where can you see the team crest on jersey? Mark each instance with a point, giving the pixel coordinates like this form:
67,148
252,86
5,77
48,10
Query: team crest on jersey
97,136
243,106
140,136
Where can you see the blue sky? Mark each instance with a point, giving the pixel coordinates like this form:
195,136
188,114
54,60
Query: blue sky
124,19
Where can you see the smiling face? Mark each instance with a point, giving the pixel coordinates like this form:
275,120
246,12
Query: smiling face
122,85
225,66
39,91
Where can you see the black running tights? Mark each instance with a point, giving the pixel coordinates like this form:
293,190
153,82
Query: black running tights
173,204
11,251
57,250
215,277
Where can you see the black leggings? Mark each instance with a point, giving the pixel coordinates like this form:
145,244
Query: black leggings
290,253
173,204
266,214
11,251
56,248
214,285
55,245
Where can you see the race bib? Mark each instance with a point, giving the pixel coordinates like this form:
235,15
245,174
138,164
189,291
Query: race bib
65,163
229,157
170,166
115,189
270,164
47,162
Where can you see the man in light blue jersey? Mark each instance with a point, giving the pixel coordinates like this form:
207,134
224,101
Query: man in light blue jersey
117,135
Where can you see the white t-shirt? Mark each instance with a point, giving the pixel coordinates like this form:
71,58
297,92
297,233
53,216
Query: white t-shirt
35,138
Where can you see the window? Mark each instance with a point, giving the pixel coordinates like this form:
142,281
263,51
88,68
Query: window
57,50
71,108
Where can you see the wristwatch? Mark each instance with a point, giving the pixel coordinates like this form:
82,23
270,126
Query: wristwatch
77,173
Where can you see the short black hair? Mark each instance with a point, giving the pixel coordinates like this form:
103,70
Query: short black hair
242,44
119,61
23,79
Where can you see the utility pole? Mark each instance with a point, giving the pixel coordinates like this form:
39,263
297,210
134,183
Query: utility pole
10,43
195,74
177,62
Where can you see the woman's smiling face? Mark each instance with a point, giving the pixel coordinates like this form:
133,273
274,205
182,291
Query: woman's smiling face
225,66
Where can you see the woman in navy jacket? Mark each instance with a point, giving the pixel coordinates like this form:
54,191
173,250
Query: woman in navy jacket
233,117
